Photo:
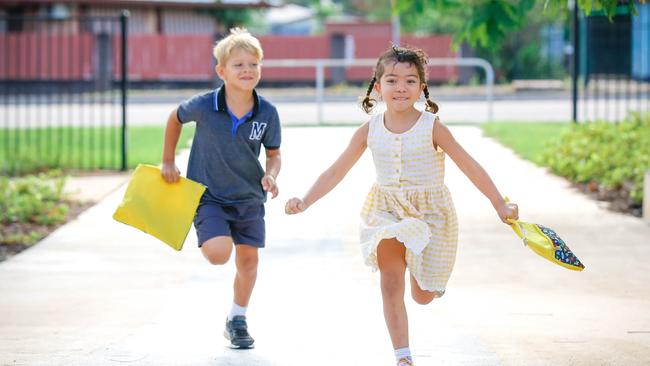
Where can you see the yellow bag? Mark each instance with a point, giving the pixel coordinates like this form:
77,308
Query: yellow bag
163,210
547,244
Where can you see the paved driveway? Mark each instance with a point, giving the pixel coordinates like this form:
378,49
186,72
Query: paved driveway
96,292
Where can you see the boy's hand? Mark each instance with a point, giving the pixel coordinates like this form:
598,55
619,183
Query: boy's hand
170,173
294,206
508,211
269,185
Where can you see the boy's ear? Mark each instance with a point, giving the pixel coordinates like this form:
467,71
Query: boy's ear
219,70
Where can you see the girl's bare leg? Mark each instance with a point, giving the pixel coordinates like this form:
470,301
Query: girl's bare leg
392,266
421,296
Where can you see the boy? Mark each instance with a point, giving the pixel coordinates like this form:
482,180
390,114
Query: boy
232,123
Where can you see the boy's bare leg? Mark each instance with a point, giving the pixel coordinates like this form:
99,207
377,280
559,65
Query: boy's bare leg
217,250
246,260
392,266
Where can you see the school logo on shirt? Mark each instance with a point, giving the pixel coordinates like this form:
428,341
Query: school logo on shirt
257,130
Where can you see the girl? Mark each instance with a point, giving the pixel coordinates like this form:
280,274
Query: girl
408,218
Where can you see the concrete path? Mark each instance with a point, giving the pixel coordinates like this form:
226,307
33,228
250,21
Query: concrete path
97,292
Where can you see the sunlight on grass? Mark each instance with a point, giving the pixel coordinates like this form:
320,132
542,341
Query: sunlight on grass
28,150
526,139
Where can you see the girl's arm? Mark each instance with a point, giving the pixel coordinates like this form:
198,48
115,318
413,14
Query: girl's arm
474,171
333,175
169,171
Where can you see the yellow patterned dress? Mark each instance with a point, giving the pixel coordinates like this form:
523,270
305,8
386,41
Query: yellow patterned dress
410,202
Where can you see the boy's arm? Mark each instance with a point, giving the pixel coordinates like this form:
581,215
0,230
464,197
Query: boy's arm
169,171
273,164
334,174
474,171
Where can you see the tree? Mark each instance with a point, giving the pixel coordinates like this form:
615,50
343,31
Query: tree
487,22
505,32
228,18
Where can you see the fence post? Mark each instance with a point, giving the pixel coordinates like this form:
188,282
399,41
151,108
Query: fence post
320,86
124,19
489,90
646,197
575,62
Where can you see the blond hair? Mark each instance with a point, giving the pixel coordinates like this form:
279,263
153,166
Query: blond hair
239,38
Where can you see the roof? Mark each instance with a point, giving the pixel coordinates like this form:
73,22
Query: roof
289,13
148,3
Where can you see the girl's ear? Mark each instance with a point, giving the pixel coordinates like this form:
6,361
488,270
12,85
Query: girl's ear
377,87
422,86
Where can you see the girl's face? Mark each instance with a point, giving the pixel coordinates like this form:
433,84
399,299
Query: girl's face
241,70
399,86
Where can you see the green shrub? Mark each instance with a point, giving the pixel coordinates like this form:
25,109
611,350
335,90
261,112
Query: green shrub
29,202
614,156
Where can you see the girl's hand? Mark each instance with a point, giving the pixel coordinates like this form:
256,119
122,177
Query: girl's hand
269,185
508,211
170,172
294,206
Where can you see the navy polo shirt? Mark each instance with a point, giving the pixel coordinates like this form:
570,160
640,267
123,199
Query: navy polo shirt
225,151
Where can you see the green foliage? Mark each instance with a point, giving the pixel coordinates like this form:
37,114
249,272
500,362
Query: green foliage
615,156
607,7
490,21
486,23
481,23
28,202
231,17
507,34
519,55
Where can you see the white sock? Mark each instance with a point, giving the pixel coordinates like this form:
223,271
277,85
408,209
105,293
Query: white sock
236,310
402,352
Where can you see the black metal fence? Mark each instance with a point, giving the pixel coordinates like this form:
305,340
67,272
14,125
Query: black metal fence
613,64
62,93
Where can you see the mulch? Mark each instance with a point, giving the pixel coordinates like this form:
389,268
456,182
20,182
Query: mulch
617,200
9,250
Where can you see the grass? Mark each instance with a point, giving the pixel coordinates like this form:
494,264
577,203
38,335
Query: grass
24,151
526,139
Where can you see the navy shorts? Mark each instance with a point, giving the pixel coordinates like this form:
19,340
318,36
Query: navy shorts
243,223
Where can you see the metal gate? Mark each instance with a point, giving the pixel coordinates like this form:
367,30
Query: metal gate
611,62
62,93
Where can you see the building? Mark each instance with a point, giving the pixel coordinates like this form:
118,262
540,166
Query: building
171,41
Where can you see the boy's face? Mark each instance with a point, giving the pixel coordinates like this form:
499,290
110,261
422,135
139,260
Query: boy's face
241,70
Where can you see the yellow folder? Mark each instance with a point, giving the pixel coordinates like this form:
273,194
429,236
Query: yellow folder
163,210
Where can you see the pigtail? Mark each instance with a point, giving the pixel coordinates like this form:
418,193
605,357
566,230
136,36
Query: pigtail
368,103
431,106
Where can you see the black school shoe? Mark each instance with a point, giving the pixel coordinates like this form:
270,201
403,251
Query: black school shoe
237,332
